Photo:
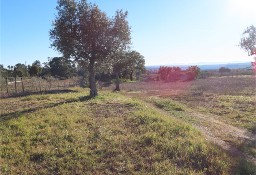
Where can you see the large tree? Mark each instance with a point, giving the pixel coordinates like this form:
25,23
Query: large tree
83,32
248,41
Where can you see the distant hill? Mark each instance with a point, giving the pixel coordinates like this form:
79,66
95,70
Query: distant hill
209,66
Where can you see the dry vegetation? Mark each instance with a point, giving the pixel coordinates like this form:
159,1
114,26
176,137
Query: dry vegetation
25,86
223,108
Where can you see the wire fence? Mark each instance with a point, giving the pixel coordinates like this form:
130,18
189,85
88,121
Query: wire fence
21,85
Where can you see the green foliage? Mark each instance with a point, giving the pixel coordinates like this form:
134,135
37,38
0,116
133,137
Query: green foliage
35,69
20,70
61,67
136,64
3,71
126,64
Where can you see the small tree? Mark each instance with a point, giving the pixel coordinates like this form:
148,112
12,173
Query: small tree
136,63
3,71
35,69
20,70
192,72
248,42
224,70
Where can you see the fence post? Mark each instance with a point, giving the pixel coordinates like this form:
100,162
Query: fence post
7,85
23,90
1,86
40,85
15,79
50,84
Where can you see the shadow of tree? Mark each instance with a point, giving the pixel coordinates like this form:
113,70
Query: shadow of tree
56,91
13,115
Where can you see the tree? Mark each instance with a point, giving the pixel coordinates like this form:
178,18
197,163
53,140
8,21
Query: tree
3,72
46,71
119,65
136,63
83,32
35,69
167,73
224,70
61,67
20,70
248,42
192,73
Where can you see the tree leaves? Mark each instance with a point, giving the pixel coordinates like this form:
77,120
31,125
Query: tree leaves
248,42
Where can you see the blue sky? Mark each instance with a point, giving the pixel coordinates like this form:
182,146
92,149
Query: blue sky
164,31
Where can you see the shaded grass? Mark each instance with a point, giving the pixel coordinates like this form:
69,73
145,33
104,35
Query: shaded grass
111,134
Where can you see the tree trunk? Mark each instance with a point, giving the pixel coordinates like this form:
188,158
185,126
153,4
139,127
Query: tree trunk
131,75
117,82
92,81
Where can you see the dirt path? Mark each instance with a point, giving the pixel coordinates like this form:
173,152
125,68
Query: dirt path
228,137
224,135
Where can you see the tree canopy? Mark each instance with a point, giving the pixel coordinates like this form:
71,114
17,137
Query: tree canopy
83,32
35,69
61,67
248,41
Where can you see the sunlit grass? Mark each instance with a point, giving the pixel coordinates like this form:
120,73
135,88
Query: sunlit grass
111,134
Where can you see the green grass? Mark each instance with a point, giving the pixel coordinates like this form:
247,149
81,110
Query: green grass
111,134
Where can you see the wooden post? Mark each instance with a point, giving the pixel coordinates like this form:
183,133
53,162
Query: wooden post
1,86
7,85
23,90
15,84
40,86
49,86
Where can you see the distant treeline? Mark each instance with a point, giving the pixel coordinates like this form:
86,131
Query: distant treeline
58,67
62,68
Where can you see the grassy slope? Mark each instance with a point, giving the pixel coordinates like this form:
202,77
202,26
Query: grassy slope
111,134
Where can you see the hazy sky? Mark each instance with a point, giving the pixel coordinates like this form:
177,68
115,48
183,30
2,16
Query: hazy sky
164,31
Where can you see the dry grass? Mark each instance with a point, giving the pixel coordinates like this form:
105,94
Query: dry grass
33,85
229,101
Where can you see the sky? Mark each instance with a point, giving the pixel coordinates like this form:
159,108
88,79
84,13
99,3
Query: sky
165,32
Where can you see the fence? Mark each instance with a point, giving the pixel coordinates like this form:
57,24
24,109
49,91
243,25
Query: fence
20,85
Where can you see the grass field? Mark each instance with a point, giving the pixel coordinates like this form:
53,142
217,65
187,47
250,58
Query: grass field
112,134
139,131
222,108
